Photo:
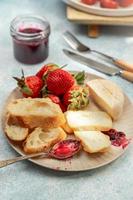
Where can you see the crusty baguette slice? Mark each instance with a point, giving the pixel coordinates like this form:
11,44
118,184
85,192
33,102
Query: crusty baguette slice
11,120
16,133
38,112
40,140
89,120
93,141
67,128
108,96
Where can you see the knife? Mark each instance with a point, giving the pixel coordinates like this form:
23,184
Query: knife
108,70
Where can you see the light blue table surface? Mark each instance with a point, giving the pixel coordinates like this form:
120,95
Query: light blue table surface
27,181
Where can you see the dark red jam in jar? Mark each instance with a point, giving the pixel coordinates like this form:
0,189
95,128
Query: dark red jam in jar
30,34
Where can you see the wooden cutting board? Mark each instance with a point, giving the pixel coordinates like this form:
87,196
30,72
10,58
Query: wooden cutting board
94,21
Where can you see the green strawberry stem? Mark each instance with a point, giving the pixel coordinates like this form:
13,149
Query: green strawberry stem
62,67
80,77
19,81
44,91
21,84
79,99
22,77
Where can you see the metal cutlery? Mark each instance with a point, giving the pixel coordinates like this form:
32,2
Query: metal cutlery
77,45
57,151
99,66
5,163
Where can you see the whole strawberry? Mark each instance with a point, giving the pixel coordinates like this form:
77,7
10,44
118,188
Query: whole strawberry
45,69
76,97
30,86
59,81
56,100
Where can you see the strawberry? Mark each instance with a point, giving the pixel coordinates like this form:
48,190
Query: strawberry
76,97
56,100
30,86
112,4
59,81
89,2
45,69
125,3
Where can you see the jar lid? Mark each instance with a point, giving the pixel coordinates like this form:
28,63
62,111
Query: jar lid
29,27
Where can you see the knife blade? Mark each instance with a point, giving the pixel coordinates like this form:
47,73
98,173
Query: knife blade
92,63
106,69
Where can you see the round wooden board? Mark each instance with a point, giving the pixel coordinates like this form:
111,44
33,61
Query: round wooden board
82,161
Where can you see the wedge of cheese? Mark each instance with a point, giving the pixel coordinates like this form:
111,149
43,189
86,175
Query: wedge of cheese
93,141
88,120
108,96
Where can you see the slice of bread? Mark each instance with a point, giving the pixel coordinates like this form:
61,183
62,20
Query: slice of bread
11,120
88,120
108,96
38,112
16,133
93,141
40,140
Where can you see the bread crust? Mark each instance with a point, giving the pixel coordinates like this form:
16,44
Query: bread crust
16,133
36,113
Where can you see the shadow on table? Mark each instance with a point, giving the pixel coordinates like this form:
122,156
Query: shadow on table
122,31
126,31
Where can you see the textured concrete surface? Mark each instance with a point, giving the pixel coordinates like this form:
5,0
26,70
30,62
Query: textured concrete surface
26,181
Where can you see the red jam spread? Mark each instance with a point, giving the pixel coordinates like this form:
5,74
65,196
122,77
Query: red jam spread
117,138
30,34
30,30
65,149
30,52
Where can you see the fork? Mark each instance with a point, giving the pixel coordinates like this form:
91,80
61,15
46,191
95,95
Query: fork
77,45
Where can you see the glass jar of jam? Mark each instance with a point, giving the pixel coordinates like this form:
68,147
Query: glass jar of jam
30,34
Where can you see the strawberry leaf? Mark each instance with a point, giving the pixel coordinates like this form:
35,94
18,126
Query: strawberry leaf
26,90
79,77
44,91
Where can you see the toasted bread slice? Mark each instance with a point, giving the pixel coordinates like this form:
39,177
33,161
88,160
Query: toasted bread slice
88,120
93,141
36,112
108,96
40,140
16,133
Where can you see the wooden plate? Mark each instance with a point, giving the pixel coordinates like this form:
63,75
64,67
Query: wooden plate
97,10
83,161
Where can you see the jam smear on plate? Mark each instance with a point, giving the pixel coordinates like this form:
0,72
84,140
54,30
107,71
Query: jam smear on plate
117,138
